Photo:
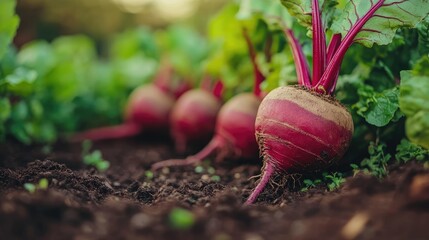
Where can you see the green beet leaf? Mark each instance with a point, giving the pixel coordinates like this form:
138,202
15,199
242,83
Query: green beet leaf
407,151
381,28
382,110
378,109
270,11
301,10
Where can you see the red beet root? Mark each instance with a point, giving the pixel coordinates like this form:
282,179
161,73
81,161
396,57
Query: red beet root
234,134
193,118
148,108
299,130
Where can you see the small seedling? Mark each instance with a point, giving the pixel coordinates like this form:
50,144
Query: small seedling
407,151
309,183
182,219
94,158
30,187
334,180
376,164
199,169
211,170
149,174
215,178
42,184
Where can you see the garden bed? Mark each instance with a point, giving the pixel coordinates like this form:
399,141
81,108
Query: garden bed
127,202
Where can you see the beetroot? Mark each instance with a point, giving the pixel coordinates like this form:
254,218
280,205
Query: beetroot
305,116
304,128
148,108
234,133
300,130
193,118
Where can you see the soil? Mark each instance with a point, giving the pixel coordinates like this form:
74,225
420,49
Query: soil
126,202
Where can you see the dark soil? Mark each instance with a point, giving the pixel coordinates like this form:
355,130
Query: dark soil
125,202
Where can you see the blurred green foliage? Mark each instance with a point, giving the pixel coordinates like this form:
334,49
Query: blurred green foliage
9,23
414,98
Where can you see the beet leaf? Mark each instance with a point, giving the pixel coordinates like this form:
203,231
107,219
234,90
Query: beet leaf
369,22
302,11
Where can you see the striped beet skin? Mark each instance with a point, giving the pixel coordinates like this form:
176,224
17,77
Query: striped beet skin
300,130
193,118
236,125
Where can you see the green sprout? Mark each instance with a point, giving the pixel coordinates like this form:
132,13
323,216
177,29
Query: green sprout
42,184
332,181
149,174
211,170
376,163
215,178
407,151
182,219
30,187
199,169
309,183
94,158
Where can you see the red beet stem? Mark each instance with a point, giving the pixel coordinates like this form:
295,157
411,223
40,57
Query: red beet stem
164,76
258,76
218,89
319,43
301,65
214,144
333,46
328,81
266,175
111,132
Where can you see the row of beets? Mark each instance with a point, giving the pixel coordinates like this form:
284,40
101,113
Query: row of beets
297,128
192,116
287,123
